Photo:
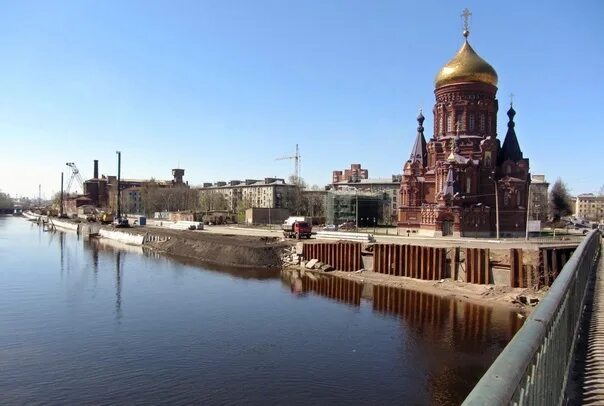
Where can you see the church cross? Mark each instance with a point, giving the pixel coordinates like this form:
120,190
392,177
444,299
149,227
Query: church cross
466,22
511,99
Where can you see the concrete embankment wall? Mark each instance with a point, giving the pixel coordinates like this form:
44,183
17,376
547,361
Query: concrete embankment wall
534,267
126,238
66,225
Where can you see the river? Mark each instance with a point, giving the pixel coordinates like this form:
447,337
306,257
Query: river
94,322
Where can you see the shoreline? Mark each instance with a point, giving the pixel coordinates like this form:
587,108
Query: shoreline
485,295
248,252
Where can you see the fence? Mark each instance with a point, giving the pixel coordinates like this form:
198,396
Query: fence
343,256
412,261
533,368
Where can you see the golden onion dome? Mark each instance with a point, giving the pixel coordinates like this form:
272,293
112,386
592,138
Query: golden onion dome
466,66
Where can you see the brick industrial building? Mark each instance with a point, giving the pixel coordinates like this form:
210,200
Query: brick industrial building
102,190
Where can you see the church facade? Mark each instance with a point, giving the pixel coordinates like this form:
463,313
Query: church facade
463,181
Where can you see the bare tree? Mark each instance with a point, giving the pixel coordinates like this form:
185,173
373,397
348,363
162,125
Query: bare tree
156,198
6,202
212,200
559,201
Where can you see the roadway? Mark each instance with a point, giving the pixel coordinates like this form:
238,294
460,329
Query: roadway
415,240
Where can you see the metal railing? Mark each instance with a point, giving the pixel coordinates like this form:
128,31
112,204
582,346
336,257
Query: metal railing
533,368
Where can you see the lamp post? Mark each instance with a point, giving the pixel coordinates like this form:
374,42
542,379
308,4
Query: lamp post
496,204
356,220
61,212
528,209
119,192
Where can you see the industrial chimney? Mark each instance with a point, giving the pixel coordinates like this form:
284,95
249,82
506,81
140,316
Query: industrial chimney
96,169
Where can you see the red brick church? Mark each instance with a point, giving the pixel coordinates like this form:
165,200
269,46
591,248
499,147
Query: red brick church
456,182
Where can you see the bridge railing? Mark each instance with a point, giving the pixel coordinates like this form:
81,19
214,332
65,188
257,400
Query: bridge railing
533,368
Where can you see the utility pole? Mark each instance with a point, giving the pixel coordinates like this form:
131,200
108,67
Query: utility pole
61,212
356,195
528,208
119,192
496,203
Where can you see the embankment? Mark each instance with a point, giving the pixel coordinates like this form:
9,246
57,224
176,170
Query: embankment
230,250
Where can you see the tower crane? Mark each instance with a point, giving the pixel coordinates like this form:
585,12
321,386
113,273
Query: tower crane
75,175
296,158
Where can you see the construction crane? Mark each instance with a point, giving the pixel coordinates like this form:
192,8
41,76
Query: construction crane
75,175
296,159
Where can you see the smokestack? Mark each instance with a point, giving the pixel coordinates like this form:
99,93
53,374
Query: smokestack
96,169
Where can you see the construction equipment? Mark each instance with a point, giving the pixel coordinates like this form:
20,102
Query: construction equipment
75,175
296,227
296,159
105,217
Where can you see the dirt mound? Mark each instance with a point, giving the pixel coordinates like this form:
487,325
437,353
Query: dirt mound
232,250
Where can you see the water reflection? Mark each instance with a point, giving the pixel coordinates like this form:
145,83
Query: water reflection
176,331
338,289
457,339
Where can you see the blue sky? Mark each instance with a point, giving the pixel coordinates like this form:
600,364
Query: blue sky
222,88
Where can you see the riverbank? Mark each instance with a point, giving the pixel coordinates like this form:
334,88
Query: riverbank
229,250
491,295
218,249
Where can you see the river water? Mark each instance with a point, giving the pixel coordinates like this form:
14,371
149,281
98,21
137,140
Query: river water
92,322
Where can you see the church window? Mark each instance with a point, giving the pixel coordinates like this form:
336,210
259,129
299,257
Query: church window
450,122
441,124
471,122
508,170
469,184
489,124
482,121
518,199
506,198
487,158
459,124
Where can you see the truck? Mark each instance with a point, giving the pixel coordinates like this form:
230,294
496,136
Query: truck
105,217
296,227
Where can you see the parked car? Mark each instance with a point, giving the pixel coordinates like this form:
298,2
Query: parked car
349,225
121,222
330,227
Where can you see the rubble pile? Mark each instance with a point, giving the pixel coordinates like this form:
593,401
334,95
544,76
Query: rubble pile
292,256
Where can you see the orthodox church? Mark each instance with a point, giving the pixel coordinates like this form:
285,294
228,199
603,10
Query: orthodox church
463,181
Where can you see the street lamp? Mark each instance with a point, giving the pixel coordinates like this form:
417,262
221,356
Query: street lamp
492,177
119,171
528,209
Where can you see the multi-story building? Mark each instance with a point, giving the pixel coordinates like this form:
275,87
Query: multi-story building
451,183
354,174
388,187
239,195
538,203
589,206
